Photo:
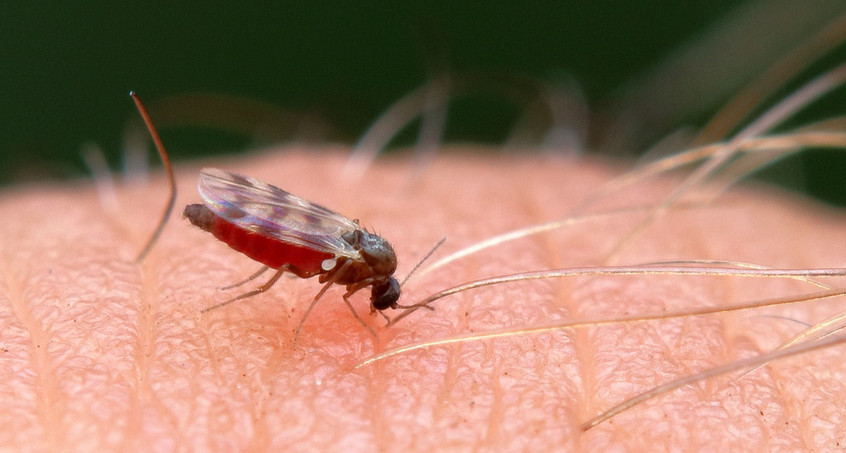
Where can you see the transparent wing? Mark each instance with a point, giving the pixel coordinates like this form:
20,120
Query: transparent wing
262,208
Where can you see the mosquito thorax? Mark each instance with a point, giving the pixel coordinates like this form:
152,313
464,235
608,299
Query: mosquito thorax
375,250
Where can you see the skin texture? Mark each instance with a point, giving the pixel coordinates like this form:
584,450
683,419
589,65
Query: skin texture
99,353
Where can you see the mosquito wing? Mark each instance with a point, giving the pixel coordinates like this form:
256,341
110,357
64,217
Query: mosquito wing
268,210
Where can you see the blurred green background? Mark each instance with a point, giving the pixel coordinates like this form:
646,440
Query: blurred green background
324,71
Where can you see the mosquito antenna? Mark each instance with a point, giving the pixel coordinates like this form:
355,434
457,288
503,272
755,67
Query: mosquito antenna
417,266
172,179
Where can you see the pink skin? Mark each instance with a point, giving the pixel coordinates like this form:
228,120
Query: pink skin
99,353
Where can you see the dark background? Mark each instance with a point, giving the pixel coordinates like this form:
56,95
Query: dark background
324,71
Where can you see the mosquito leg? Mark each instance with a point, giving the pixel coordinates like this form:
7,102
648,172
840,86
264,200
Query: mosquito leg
317,297
361,321
252,293
247,280
409,309
374,310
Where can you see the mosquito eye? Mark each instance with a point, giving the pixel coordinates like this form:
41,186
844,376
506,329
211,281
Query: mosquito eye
385,296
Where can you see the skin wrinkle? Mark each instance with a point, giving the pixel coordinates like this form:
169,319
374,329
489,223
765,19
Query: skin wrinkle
36,370
564,306
227,380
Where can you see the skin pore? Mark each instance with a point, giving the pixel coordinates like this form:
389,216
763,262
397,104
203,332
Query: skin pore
100,353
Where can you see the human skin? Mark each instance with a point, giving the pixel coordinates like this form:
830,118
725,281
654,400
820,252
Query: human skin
99,353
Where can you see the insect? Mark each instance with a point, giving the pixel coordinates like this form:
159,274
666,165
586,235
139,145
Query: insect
290,234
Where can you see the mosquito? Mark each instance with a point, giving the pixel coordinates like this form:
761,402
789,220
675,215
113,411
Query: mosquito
289,234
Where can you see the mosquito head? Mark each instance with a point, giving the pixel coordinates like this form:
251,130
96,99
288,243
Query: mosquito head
385,295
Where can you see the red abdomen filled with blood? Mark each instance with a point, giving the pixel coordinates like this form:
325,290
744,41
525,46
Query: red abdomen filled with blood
273,253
